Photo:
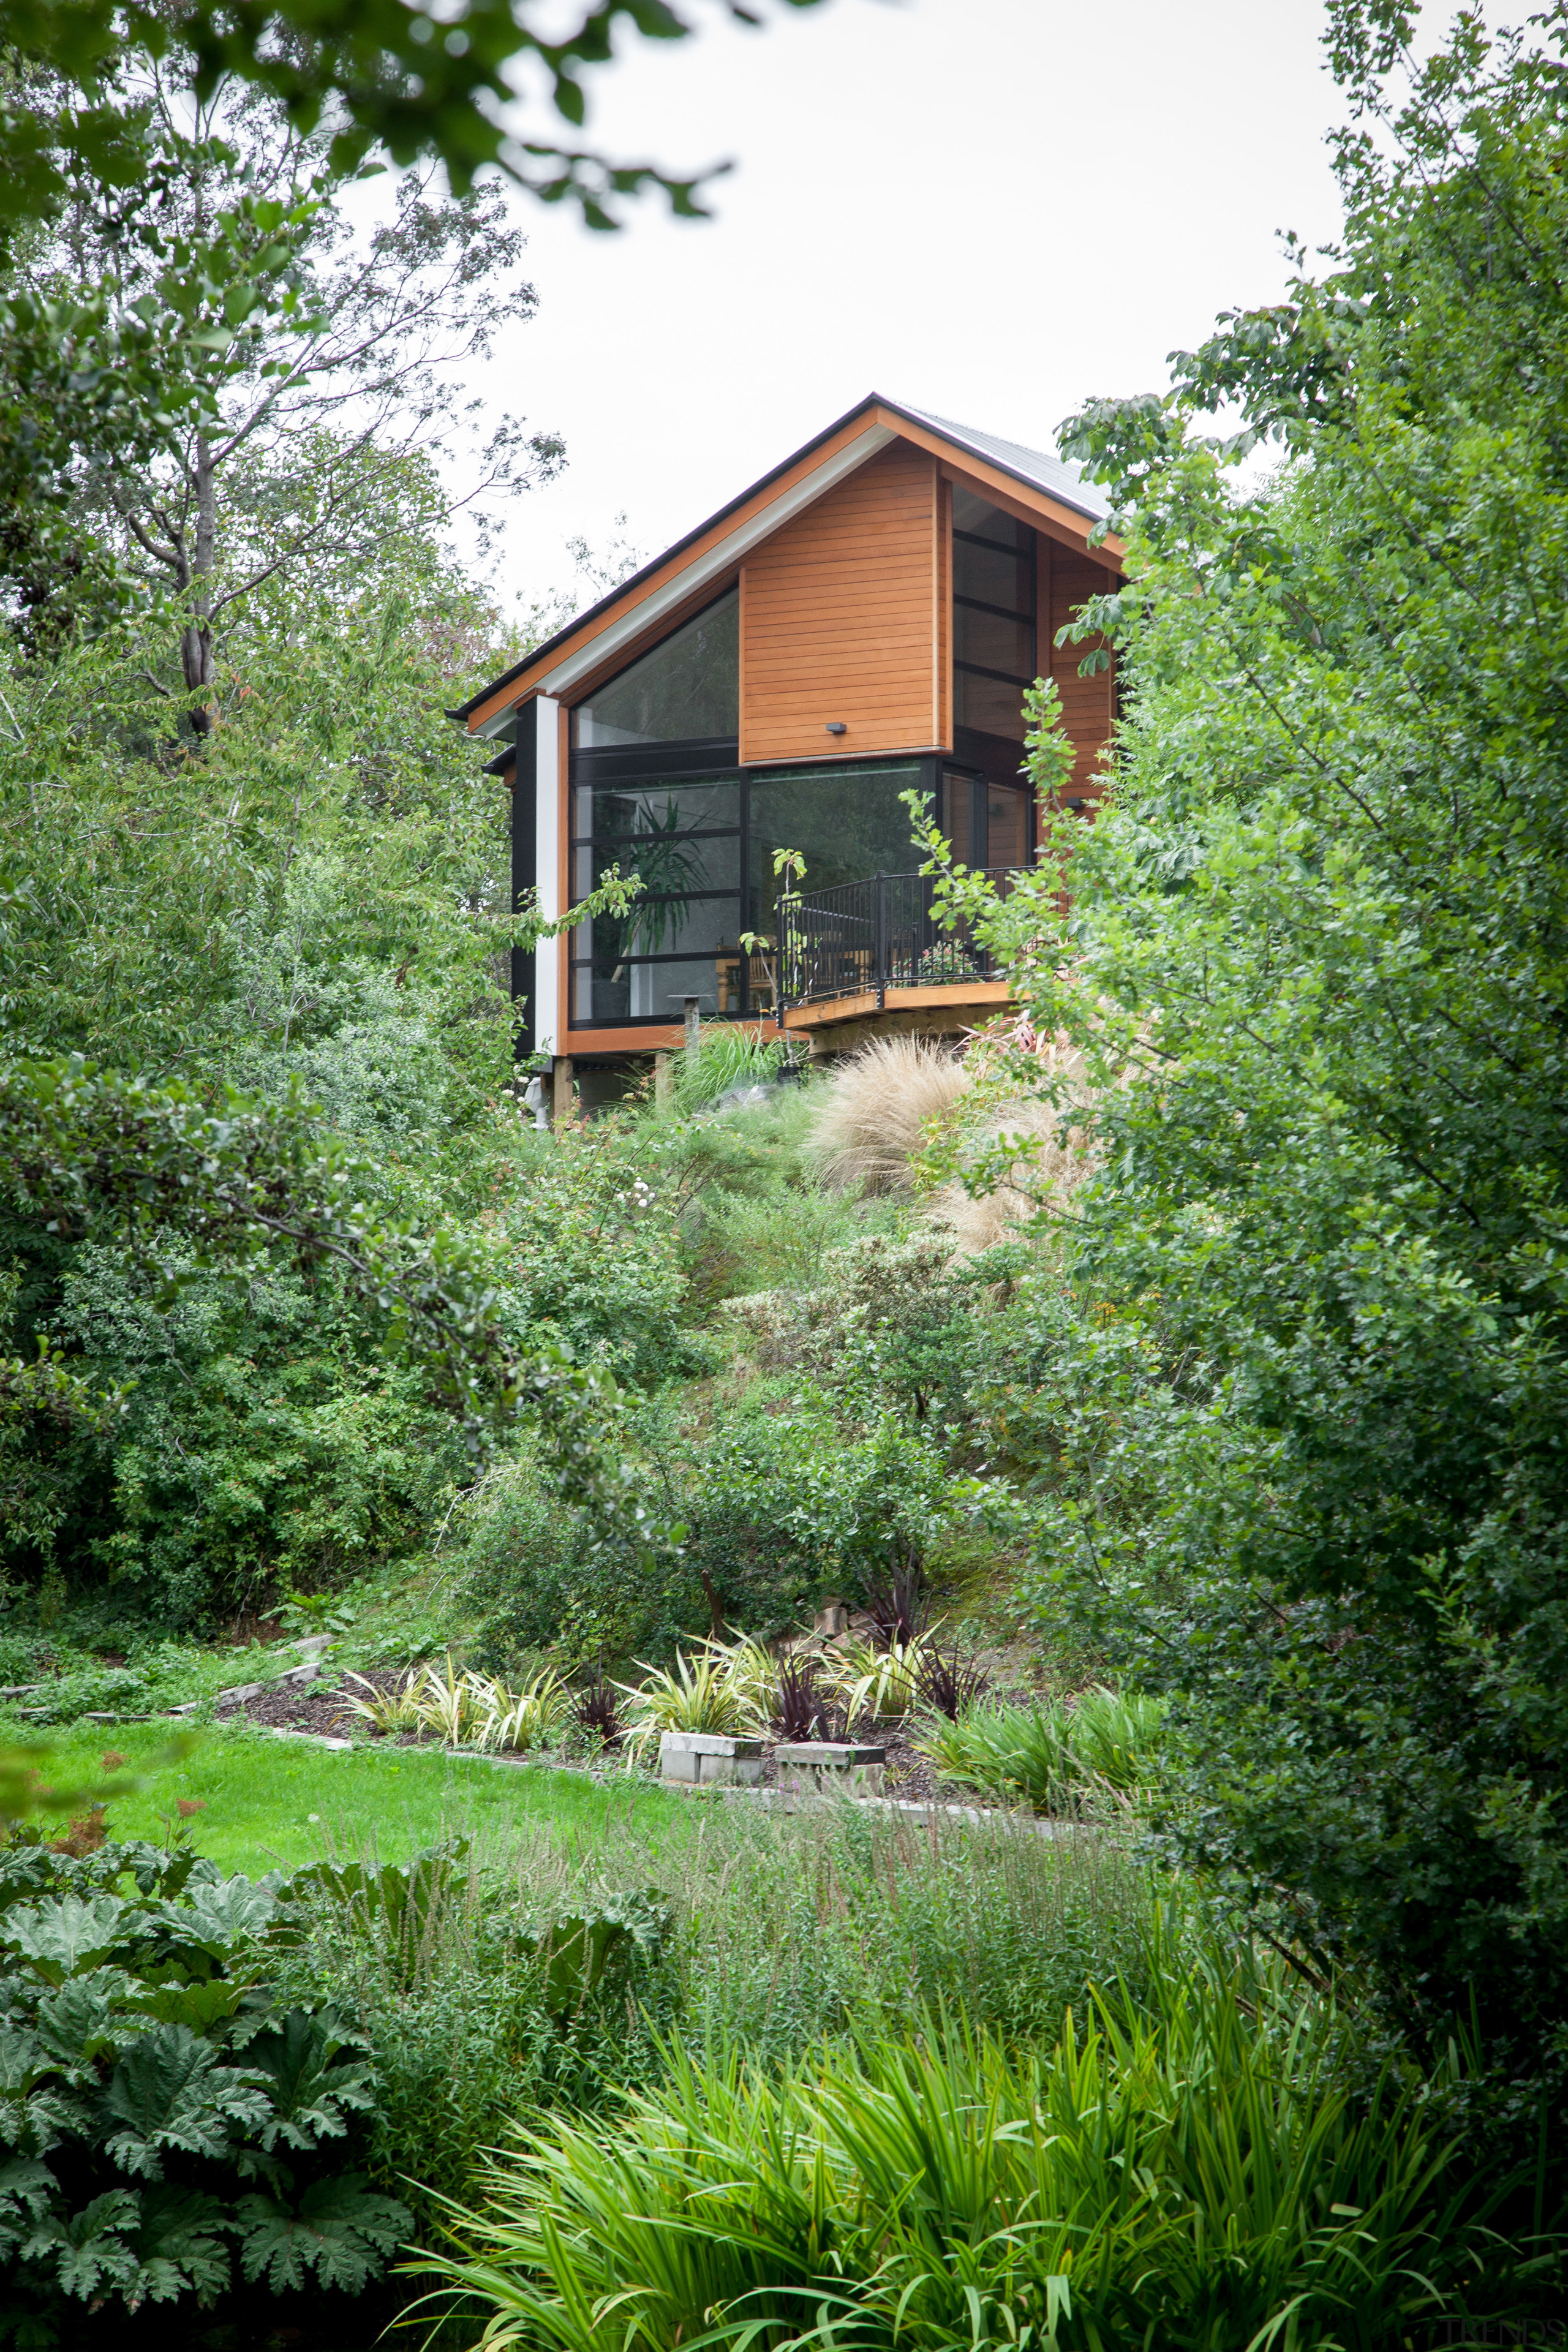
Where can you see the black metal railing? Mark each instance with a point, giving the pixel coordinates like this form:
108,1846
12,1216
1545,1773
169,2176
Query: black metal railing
864,938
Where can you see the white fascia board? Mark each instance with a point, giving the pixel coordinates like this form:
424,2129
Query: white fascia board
544,716
718,560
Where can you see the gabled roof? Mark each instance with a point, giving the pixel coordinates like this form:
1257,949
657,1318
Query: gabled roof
1054,492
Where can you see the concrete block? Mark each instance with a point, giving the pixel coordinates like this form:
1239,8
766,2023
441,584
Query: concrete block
708,1759
811,1769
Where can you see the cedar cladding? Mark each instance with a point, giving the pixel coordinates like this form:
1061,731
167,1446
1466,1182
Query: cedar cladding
1089,704
841,619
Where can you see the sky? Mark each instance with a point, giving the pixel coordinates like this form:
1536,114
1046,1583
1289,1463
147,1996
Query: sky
992,209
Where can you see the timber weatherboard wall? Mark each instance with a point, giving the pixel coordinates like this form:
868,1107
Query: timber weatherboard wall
1087,703
838,620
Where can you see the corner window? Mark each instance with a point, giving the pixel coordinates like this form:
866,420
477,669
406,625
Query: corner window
994,646
687,690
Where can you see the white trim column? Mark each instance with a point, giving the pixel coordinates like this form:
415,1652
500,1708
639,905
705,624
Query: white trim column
549,1014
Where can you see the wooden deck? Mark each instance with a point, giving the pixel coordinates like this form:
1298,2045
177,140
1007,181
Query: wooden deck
836,1024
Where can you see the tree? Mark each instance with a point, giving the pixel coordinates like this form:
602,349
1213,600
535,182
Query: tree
375,67
302,365
1317,953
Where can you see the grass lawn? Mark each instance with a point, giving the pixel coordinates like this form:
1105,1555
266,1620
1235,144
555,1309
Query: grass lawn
276,1803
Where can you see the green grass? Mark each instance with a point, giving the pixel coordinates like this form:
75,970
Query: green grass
271,1804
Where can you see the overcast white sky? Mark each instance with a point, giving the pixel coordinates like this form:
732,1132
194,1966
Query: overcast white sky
991,209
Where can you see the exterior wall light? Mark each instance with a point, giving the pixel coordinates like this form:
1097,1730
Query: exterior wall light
836,726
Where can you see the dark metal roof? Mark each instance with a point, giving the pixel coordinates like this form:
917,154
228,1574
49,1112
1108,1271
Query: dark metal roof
1052,475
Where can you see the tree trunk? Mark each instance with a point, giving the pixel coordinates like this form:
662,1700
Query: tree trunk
196,637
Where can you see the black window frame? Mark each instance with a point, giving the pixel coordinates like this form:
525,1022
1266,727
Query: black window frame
1029,560
651,764
705,759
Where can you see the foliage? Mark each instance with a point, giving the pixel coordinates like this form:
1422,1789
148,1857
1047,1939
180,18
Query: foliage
958,2191
1057,1757
596,1712
951,1686
1314,958
878,1678
532,1578
800,1708
787,1498
728,1058
696,1693
173,2129
881,1110
265,1441
593,1257
375,77
729,1930
470,1709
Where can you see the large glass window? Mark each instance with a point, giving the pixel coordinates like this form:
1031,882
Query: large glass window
703,845
986,821
992,618
682,835
687,690
848,824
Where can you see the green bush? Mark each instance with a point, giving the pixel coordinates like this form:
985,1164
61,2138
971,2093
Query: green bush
531,1578
589,1248
173,2129
1053,1757
736,1930
265,1441
1189,2181
726,1058
788,1498
1314,955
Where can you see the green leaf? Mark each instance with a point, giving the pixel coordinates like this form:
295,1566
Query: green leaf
339,2234
62,1937
88,2252
170,2092
199,2006
313,2091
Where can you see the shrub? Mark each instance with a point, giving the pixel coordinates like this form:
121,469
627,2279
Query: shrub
265,1441
788,1499
952,1685
1053,1756
173,2128
588,1242
699,1693
535,1580
727,1058
1199,2178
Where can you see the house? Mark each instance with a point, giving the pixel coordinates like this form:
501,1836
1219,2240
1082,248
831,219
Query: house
860,624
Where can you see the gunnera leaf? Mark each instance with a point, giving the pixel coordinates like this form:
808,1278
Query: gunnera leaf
340,2234
170,2092
312,2089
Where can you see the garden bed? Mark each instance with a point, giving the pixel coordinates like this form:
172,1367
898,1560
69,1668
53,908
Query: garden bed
321,1708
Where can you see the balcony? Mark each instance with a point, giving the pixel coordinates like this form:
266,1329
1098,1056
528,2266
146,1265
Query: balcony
866,948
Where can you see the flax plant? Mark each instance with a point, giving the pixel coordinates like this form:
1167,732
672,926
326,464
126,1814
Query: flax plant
1196,2179
1053,1757
696,1693
394,1710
